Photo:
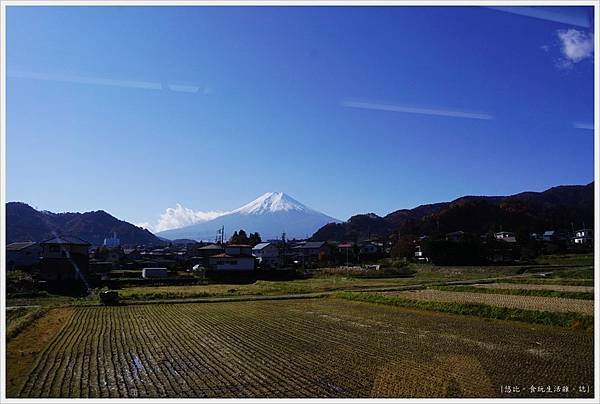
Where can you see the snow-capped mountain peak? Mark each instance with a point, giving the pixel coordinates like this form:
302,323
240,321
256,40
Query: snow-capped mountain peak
270,215
271,202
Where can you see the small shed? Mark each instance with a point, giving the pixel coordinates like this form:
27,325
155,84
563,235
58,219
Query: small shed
155,273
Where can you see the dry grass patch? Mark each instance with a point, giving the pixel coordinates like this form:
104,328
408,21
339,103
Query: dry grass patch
22,350
551,304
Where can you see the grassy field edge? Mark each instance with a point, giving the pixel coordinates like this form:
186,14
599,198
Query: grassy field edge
569,320
20,324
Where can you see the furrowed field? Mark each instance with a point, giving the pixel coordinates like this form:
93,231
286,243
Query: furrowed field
326,347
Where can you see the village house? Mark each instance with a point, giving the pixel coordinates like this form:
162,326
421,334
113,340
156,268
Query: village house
132,253
536,236
506,236
148,273
114,256
22,255
420,254
112,242
208,250
370,248
267,255
312,252
346,253
554,236
455,236
64,258
237,257
583,237
201,254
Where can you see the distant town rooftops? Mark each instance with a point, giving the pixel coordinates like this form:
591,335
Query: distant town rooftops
455,233
312,244
240,245
71,240
211,247
19,246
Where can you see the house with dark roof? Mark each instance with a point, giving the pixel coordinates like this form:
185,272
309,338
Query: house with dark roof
208,250
554,236
455,236
267,255
22,255
312,252
239,249
64,258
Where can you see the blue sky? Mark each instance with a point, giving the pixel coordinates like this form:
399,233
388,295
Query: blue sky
367,109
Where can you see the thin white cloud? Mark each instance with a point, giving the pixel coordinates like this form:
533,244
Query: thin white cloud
575,46
583,125
135,84
184,88
147,85
378,106
179,216
567,15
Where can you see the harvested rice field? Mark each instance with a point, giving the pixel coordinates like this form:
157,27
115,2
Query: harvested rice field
295,348
525,286
540,303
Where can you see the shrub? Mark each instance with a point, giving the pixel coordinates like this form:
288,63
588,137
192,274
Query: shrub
19,281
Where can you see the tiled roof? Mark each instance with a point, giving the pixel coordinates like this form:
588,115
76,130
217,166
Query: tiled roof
72,240
19,246
211,247
313,244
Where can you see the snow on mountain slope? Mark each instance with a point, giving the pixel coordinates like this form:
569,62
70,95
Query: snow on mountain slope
270,215
272,202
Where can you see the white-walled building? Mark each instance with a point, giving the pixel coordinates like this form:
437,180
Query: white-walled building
583,237
506,236
112,242
237,257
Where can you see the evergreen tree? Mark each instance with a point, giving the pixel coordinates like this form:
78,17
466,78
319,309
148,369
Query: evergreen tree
254,239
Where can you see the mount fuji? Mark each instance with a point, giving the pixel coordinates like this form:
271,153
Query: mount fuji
270,215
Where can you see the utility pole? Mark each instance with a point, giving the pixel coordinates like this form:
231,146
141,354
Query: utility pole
283,249
347,264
